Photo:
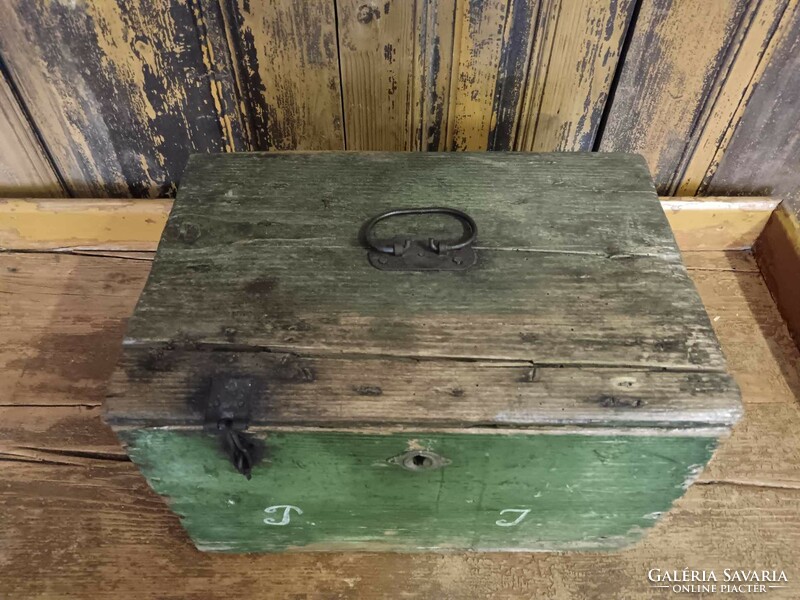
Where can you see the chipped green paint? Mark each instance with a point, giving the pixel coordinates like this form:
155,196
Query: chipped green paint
558,491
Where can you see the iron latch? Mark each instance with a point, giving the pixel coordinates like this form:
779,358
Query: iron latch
228,415
403,254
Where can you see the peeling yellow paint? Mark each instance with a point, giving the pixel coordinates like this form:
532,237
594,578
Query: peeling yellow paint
75,223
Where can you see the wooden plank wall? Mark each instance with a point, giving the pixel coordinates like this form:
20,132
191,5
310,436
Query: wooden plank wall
107,98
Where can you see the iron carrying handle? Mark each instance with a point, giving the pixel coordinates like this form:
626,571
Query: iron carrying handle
438,246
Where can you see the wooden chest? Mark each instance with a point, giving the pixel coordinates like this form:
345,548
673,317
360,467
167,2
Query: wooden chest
302,374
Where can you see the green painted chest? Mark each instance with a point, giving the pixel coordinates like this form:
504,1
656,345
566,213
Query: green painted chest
531,369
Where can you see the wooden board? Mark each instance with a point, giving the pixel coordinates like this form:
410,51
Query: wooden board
491,54
768,25
152,386
25,170
107,225
570,494
105,533
82,224
712,223
377,52
760,156
574,58
121,93
37,286
109,98
671,69
778,253
285,57
541,314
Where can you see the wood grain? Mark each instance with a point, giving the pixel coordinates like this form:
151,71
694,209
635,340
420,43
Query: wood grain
574,58
151,387
582,492
492,50
712,223
761,154
671,70
82,224
25,170
778,253
377,52
287,67
531,296
72,304
436,26
103,532
121,92
768,25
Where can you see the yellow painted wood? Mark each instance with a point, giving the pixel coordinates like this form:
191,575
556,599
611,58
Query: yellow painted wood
434,68
770,24
671,68
82,223
718,223
289,73
121,92
572,66
481,59
777,252
377,52
28,224
25,170
761,157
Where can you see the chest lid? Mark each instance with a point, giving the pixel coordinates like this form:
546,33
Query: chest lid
577,310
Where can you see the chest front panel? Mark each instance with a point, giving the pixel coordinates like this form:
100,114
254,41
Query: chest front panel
346,491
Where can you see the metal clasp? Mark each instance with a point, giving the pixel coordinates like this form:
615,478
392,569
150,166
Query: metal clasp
228,415
422,255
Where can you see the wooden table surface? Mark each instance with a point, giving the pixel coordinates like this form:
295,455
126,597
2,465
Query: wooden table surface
77,519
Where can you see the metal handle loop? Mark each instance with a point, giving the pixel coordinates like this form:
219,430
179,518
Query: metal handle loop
470,230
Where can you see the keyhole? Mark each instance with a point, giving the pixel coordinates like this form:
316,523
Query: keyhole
420,460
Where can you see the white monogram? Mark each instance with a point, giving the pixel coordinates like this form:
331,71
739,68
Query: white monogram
287,509
523,512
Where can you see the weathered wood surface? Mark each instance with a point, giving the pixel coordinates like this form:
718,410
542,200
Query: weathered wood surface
33,342
762,153
671,69
468,74
121,92
711,223
492,46
377,43
25,170
44,288
732,223
152,385
304,309
285,57
528,298
575,492
778,253
574,58
103,532
769,23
